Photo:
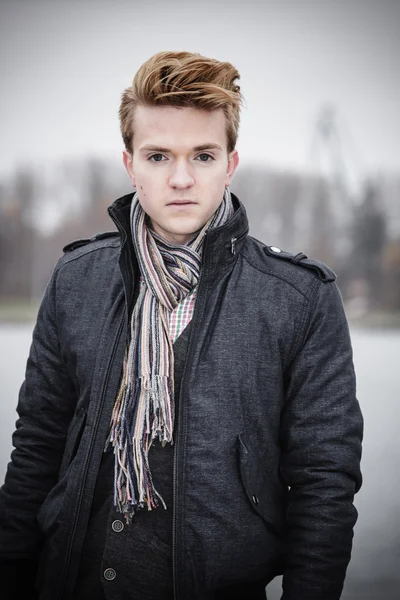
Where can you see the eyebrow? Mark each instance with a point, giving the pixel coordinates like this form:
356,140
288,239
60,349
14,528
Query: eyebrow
150,148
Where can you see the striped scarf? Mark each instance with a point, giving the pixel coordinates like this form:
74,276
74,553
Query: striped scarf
144,407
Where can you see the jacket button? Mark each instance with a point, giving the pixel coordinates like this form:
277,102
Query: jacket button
255,499
109,574
275,249
117,526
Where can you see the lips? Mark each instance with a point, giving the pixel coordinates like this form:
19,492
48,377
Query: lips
180,202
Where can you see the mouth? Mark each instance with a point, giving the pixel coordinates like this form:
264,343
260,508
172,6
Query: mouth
181,203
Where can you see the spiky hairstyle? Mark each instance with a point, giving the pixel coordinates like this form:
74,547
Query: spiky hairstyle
183,79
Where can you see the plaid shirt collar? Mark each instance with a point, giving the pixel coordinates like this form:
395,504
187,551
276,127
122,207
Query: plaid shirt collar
182,315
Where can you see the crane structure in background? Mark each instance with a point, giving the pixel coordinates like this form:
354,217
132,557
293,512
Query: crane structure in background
358,217
334,151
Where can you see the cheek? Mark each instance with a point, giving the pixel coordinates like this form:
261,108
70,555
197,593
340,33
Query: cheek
148,195
149,180
145,185
142,174
218,179
215,188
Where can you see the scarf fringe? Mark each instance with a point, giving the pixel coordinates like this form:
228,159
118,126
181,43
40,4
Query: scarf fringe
155,419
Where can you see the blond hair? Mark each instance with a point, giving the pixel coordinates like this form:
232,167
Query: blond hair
183,79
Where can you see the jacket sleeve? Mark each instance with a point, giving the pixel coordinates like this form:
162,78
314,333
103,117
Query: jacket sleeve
46,404
321,434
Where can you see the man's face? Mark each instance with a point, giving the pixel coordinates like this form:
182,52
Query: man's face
180,167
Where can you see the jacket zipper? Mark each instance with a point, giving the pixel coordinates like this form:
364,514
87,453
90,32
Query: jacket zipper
235,240
88,456
178,447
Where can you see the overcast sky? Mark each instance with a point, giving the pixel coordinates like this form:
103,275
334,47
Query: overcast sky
63,66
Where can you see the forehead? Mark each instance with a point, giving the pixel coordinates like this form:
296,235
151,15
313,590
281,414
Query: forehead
171,126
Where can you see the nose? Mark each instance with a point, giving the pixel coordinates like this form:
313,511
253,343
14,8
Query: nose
182,175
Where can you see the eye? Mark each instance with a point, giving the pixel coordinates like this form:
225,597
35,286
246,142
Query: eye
156,157
204,157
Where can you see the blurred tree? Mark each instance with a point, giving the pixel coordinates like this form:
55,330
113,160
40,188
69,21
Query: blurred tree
272,201
390,288
251,185
99,195
369,237
323,227
18,237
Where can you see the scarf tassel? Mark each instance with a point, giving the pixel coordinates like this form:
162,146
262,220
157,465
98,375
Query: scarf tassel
154,417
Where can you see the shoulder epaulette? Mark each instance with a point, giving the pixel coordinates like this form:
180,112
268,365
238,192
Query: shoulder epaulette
324,272
83,242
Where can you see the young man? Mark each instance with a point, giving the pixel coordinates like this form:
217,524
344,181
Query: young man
188,424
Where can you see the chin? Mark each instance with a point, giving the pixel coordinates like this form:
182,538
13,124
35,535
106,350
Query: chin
187,228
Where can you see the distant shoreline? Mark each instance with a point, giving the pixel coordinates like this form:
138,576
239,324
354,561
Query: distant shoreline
18,311
375,320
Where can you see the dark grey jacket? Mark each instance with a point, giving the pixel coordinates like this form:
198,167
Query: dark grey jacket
268,436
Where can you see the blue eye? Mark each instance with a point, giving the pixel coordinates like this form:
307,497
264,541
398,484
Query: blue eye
205,157
156,158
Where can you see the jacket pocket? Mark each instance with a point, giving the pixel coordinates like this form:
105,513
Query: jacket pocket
49,513
74,436
263,488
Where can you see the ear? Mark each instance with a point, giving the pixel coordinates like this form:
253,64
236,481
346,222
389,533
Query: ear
128,164
233,161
